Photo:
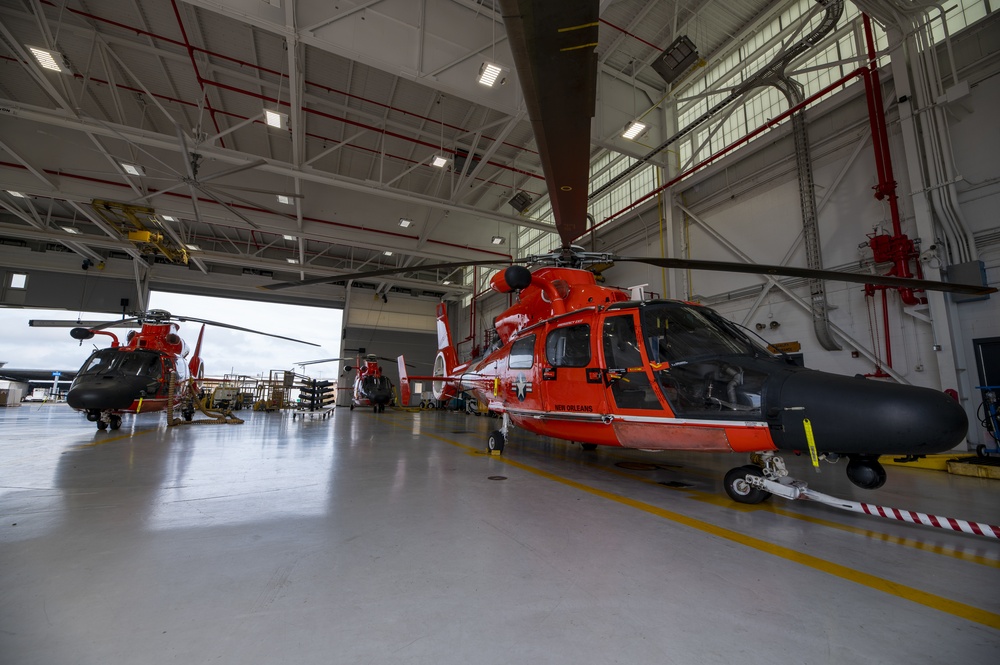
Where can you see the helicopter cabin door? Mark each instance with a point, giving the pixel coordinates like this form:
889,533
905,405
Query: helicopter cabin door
625,370
570,372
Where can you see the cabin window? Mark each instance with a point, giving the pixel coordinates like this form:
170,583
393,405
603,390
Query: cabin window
626,372
522,353
569,346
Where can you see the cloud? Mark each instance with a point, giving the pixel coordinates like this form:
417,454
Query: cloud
225,351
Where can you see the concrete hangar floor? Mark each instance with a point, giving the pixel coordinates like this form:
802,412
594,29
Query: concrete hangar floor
393,538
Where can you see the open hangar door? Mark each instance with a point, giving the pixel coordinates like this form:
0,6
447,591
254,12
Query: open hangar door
400,325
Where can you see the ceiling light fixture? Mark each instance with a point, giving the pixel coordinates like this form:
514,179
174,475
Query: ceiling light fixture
287,200
52,60
16,195
405,223
388,252
634,130
132,169
292,260
71,229
288,237
276,119
193,246
497,240
440,161
490,73
446,282
169,218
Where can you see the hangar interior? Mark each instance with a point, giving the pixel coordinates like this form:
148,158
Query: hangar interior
214,147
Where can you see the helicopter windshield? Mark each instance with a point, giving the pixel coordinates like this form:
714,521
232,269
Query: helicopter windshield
133,363
676,333
708,367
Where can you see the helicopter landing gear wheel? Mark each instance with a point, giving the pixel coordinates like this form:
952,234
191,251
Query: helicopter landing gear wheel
588,446
102,425
115,422
866,472
739,490
496,442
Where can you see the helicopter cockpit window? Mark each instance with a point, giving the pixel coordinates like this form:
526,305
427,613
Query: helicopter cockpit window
626,371
522,353
678,332
569,346
136,363
140,363
100,361
706,366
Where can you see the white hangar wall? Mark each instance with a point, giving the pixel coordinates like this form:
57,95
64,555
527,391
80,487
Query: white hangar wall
747,207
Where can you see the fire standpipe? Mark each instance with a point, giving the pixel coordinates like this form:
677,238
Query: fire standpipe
897,248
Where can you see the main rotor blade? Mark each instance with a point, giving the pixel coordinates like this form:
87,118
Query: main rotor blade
204,189
89,325
236,169
809,273
249,330
553,46
380,273
322,360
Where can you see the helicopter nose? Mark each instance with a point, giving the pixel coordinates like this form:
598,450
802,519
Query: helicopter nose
864,416
103,394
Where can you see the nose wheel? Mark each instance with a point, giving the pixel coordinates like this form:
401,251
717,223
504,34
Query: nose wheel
740,489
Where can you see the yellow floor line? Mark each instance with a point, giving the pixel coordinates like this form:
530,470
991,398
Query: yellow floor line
913,543
101,442
933,601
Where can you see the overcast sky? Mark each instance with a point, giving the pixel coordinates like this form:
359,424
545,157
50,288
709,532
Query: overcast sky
225,351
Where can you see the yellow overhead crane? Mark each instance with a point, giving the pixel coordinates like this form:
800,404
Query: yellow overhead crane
138,225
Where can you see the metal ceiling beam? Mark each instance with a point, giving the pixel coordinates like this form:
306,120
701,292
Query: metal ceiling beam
163,142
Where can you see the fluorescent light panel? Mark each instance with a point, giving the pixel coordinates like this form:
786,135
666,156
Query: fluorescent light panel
17,195
71,229
634,130
292,260
497,240
169,218
388,252
288,237
49,59
287,200
440,161
489,73
132,169
405,223
276,119
192,246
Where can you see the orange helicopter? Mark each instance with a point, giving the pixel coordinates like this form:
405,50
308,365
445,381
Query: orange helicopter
371,387
583,362
134,377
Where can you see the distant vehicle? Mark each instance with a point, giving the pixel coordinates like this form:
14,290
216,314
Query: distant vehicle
37,395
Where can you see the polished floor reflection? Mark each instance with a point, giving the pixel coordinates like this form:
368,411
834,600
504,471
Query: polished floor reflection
392,538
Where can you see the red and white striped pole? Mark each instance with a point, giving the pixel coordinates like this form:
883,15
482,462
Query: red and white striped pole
950,523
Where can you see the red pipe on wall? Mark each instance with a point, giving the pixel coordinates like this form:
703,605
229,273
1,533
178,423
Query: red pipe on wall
897,248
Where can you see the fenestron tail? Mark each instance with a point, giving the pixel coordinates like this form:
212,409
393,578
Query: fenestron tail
443,383
195,365
446,348
404,382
